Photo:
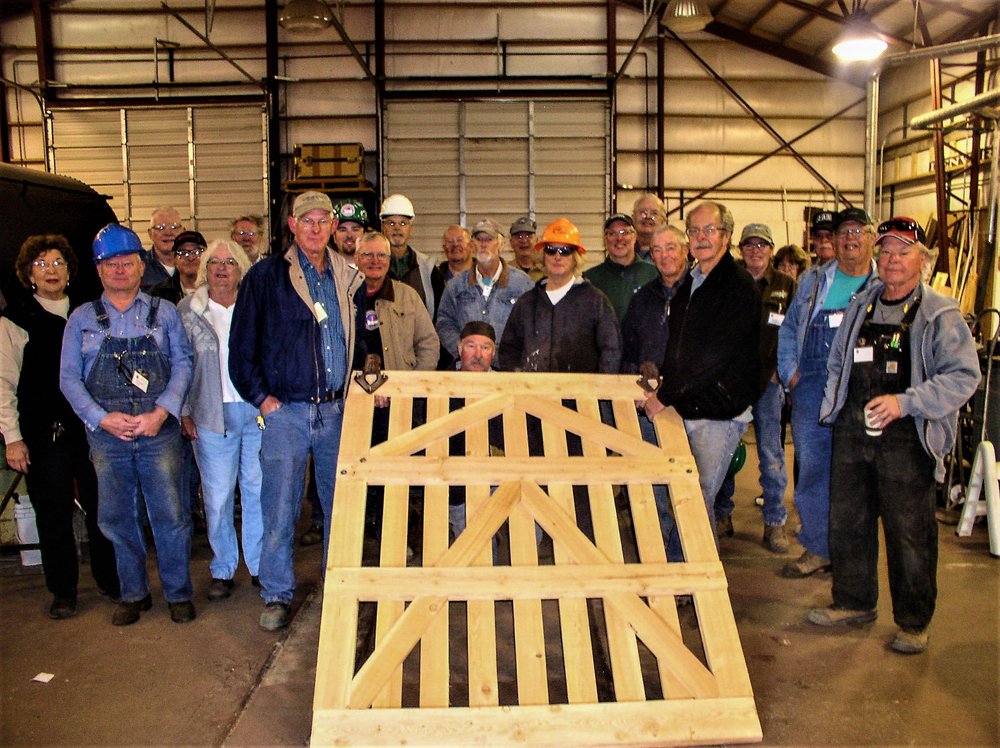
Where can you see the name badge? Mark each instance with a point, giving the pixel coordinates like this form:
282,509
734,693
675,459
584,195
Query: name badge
892,367
864,354
320,311
140,381
835,319
773,318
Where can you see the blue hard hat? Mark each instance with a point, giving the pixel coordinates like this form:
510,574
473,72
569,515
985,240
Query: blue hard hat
113,240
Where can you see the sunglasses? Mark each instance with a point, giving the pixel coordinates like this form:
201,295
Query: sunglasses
561,251
902,225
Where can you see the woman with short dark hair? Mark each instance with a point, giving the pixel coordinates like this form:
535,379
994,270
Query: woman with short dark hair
45,439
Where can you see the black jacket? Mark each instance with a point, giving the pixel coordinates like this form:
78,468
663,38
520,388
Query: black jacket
579,334
645,328
712,366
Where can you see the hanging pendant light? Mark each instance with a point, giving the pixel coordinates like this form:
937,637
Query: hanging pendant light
685,16
305,15
860,40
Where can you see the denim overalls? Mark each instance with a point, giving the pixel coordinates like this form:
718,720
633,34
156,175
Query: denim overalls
152,463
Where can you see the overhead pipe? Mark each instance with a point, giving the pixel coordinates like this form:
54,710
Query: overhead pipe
901,58
926,121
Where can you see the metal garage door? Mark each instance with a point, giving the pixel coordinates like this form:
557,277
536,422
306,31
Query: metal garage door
461,160
209,162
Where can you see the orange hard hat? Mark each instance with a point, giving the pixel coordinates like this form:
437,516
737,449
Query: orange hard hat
561,231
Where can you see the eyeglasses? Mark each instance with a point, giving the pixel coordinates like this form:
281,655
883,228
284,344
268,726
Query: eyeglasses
45,264
709,230
393,224
755,246
649,214
216,261
373,255
851,232
196,252
551,251
617,232
246,234
903,226
118,264
165,226
309,222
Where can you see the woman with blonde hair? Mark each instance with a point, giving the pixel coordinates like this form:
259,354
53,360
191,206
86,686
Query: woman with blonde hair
221,425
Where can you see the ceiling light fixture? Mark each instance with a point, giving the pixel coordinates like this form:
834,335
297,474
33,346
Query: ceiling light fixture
860,41
685,16
305,15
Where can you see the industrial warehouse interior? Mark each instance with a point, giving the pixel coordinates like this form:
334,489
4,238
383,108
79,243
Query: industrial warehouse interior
479,116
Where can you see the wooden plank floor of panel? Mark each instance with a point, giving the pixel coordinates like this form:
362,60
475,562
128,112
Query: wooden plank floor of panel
704,702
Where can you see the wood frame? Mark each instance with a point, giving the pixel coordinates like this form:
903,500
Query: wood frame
701,694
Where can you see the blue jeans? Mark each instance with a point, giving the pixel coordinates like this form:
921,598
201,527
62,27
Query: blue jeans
154,464
712,444
221,459
813,449
293,432
771,455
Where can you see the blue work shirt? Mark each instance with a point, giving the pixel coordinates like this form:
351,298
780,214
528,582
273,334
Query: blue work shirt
82,340
323,289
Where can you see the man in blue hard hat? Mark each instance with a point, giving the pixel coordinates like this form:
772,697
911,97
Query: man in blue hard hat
125,370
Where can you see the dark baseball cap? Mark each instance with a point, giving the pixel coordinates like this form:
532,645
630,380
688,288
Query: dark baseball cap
189,237
478,327
624,217
858,215
823,220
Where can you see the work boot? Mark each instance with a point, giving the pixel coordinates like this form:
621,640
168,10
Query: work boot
313,535
910,641
63,606
806,565
274,617
834,616
182,612
775,539
127,613
724,526
220,589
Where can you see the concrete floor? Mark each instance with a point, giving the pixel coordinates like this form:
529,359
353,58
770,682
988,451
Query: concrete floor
222,681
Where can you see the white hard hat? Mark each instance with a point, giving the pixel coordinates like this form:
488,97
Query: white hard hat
396,205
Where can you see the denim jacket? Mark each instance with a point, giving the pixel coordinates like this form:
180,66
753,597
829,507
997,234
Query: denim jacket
944,368
204,399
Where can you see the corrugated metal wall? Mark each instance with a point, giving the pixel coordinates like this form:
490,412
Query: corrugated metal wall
470,56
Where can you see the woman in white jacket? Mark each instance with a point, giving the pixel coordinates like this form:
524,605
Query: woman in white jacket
221,425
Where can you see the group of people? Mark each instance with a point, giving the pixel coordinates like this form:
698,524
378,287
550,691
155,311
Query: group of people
252,365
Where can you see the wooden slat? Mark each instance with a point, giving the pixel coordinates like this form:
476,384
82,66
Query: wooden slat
392,552
434,655
689,722
574,623
622,647
646,525
430,471
482,640
532,678
474,385
524,583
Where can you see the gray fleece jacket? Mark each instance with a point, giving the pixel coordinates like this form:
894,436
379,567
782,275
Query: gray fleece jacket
944,368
